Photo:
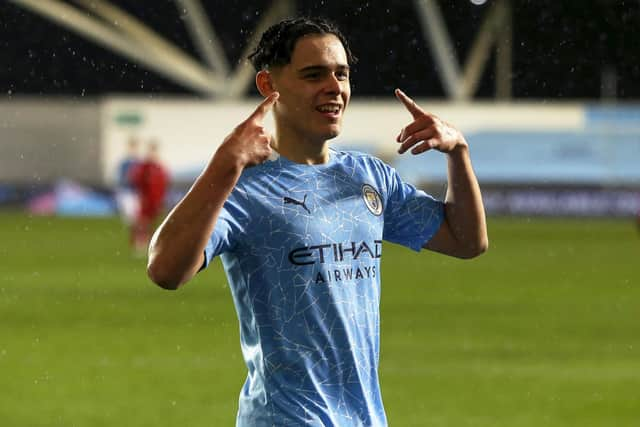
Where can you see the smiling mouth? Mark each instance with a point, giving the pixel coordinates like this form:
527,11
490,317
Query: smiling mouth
332,109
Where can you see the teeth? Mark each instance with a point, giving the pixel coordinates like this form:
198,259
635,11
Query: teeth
329,108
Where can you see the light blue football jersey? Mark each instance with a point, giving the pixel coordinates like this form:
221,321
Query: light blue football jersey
301,247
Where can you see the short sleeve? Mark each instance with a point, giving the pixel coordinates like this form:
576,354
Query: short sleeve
231,225
411,216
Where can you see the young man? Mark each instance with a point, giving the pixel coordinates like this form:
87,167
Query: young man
299,228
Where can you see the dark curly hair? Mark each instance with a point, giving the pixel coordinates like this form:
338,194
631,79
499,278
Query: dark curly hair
276,44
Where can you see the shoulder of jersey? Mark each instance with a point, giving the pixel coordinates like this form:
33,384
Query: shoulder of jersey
356,155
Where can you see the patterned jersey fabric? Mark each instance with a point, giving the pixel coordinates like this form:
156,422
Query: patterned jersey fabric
301,247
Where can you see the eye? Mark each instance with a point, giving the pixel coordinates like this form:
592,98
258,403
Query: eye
342,75
312,76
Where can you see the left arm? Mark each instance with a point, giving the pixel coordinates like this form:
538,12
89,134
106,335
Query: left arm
463,233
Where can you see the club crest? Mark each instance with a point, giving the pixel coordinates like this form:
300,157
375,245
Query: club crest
372,199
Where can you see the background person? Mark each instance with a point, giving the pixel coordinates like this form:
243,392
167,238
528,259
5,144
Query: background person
151,180
125,193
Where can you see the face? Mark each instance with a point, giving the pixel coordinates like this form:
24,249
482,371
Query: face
314,89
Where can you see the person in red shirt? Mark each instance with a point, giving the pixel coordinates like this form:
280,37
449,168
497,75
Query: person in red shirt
151,180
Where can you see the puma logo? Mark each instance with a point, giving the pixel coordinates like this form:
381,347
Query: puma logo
289,200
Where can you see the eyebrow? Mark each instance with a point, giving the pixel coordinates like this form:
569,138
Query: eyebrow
341,67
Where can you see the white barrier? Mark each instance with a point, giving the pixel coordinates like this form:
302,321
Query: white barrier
190,131
520,143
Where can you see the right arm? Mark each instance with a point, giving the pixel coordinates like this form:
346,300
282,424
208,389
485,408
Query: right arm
176,250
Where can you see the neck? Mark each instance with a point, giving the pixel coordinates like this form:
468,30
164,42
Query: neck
301,150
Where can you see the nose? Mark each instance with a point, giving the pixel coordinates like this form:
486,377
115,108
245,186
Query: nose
333,84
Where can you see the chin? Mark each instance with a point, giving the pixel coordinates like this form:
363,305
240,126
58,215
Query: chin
332,132
332,135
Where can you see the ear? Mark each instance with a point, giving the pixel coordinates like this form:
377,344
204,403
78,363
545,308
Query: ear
264,83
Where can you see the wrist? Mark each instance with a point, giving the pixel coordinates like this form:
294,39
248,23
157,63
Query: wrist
460,150
224,161
223,168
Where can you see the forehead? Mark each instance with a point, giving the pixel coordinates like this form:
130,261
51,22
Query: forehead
317,49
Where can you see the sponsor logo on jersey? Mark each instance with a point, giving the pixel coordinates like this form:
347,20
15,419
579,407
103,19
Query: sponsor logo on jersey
289,200
346,274
335,252
372,199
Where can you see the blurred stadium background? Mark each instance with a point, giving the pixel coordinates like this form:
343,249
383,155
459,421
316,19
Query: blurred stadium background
543,330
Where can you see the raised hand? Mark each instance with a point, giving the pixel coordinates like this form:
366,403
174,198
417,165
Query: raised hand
249,143
427,131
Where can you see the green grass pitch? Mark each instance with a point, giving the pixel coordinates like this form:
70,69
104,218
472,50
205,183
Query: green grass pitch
543,330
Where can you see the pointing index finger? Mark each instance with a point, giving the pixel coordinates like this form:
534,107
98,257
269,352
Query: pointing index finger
264,107
409,104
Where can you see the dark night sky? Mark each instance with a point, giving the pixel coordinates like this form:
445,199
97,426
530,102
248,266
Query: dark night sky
559,49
